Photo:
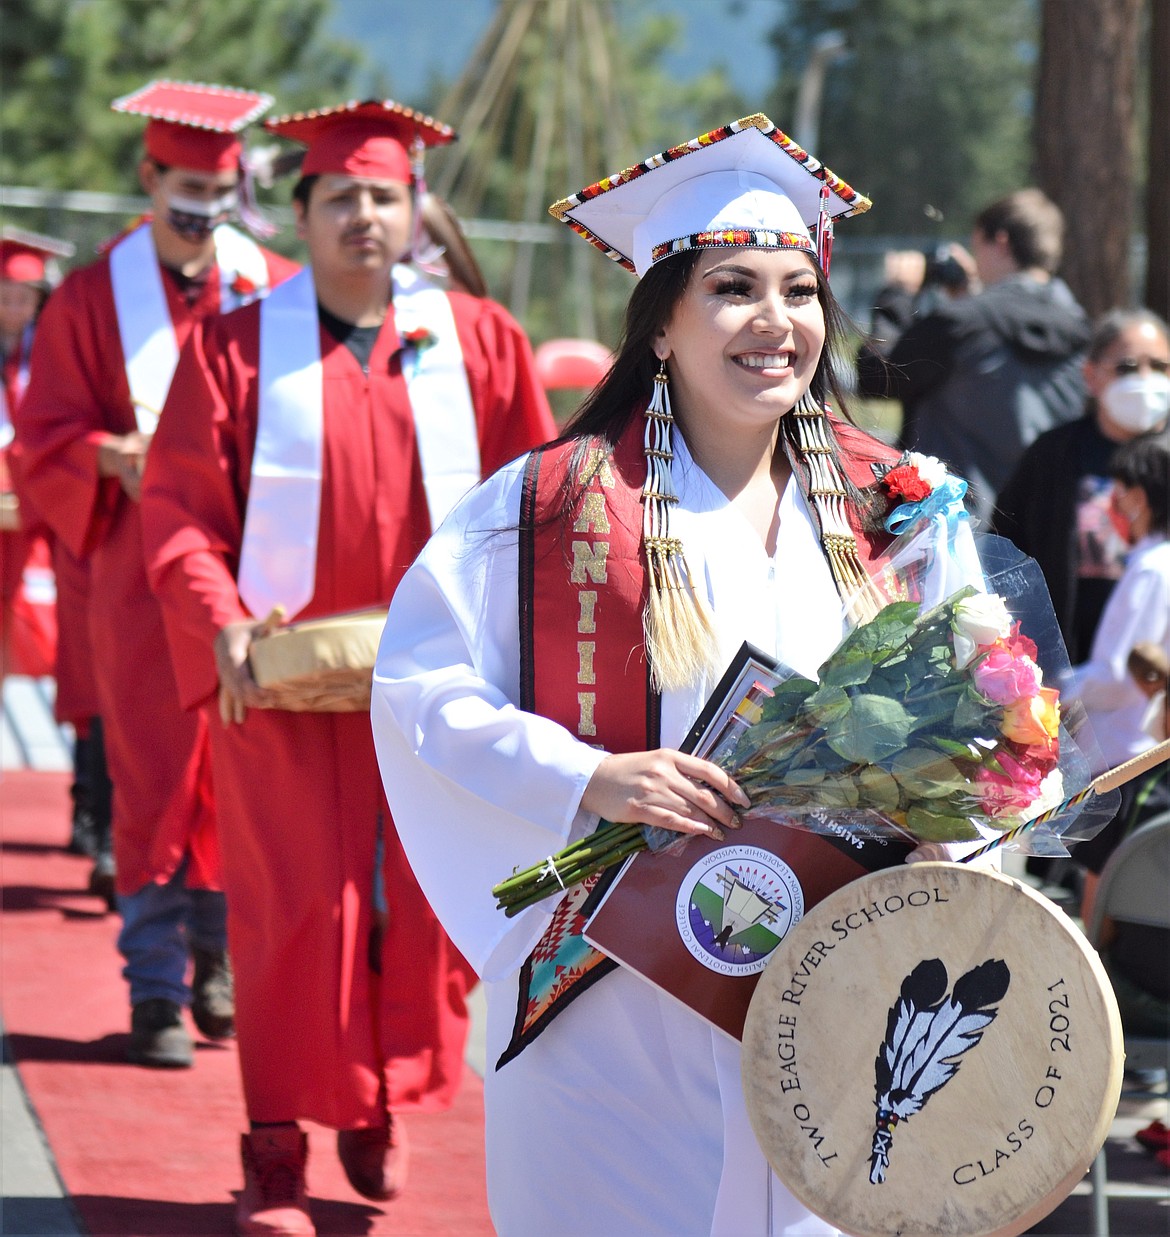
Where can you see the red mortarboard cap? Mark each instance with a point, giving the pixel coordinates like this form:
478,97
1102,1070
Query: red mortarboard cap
192,125
374,139
23,255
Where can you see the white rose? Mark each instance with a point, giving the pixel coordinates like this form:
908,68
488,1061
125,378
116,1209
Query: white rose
931,469
981,619
1051,793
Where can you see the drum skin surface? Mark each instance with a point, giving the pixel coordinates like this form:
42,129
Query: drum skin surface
934,1049
321,665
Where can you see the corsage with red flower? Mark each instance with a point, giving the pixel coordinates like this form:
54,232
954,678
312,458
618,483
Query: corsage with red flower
922,489
420,338
243,286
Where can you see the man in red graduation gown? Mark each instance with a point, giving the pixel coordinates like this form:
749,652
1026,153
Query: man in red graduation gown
310,445
26,266
27,620
104,359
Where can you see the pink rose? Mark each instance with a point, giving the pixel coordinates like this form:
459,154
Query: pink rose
1010,791
1005,678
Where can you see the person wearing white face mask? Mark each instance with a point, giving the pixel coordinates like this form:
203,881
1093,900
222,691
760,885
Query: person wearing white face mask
1058,506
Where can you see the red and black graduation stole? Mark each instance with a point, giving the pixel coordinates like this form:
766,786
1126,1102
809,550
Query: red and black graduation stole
582,594
583,662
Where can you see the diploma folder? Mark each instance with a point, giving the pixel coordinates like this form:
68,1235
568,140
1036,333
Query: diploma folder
700,918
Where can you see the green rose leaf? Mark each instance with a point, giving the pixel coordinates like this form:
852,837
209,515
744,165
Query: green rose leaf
873,729
850,671
930,826
804,777
827,704
877,789
837,792
975,716
925,773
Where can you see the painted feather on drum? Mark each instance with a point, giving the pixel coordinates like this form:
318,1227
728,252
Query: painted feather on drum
926,1033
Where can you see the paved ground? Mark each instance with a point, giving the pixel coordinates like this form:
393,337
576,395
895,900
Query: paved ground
32,1198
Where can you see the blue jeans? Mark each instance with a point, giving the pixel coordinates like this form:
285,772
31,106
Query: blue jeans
160,926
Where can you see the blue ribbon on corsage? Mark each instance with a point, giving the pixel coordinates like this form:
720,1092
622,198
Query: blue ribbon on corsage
944,500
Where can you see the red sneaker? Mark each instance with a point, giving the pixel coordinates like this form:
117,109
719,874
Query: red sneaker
273,1201
375,1158
1155,1137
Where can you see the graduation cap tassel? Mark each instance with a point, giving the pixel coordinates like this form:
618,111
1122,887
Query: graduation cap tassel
824,232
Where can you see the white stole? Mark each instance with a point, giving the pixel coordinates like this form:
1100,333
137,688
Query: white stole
149,347
440,399
278,556
7,429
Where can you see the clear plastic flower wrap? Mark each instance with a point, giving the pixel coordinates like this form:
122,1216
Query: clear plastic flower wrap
937,718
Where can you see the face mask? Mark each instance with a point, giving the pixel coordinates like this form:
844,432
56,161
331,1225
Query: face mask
197,220
1138,402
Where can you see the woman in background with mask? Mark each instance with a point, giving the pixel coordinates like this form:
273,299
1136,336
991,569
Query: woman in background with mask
1058,505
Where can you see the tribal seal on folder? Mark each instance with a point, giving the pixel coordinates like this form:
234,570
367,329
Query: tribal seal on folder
321,665
934,1049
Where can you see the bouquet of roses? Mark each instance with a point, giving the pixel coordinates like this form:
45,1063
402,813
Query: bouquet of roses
932,722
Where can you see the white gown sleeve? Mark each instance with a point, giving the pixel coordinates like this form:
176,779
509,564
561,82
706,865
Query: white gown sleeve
1138,610
476,785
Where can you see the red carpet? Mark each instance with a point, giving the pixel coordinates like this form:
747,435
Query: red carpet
144,1152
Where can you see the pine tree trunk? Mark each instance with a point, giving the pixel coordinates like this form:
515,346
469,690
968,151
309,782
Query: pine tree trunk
1084,139
1157,295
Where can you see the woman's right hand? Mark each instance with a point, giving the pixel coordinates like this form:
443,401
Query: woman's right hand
666,789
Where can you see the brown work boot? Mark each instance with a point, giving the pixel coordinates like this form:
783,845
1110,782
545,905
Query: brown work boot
375,1158
273,1202
213,994
158,1037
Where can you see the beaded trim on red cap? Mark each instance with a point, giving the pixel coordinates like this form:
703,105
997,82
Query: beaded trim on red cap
426,127
218,109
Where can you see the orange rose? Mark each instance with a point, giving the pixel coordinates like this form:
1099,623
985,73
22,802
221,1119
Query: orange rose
1034,720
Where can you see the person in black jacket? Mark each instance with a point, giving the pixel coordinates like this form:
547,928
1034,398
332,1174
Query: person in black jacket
1056,506
981,376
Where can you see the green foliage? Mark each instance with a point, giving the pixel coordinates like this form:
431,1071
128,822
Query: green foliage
63,61
929,108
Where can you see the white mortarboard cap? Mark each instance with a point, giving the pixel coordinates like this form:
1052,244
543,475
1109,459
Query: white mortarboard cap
746,184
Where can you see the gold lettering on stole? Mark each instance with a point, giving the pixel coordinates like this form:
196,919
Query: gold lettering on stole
592,518
589,560
585,672
587,604
589,568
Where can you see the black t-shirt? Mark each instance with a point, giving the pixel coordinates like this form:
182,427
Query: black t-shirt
358,339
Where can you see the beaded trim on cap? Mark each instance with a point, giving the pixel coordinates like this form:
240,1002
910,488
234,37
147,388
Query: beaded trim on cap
181,103
858,203
436,131
755,238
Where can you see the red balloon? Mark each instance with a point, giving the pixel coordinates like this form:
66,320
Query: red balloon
572,363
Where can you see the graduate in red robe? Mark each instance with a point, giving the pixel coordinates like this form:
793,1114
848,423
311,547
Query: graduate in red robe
404,396
117,323
33,561
27,621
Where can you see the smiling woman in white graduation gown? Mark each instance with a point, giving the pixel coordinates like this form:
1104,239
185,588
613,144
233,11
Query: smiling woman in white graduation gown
477,786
